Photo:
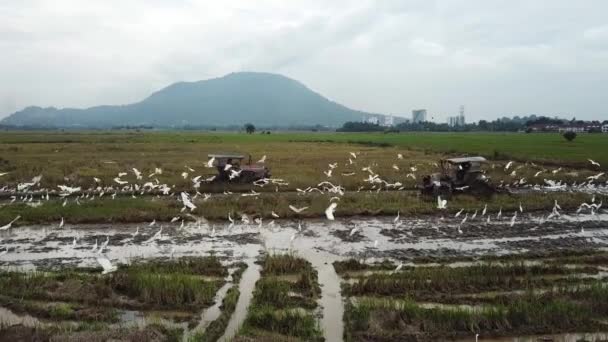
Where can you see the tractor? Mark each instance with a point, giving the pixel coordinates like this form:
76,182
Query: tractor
241,172
458,175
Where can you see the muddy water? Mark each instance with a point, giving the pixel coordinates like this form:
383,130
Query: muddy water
319,241
8,318
246,286
331,300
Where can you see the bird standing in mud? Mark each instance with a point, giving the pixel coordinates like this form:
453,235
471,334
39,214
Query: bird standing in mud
458,213
441,204
329,212
513,219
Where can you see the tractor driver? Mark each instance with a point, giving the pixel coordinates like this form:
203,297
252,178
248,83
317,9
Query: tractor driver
462,170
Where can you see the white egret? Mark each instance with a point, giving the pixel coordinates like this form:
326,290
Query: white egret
329,212
297,210
10,224
106,265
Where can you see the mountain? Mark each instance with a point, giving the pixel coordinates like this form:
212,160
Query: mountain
263,99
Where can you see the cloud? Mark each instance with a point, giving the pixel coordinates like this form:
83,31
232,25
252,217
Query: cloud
427,48
495,56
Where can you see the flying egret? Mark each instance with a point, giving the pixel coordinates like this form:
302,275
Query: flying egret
398,268
137,173
297,210
353,154
593,162
273,214
187,202
106,265
353,231
61,223
262,160
8,225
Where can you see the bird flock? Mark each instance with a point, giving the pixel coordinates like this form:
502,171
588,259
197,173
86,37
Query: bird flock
135,183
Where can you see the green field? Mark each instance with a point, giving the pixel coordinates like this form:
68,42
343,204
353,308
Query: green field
540,147
75,158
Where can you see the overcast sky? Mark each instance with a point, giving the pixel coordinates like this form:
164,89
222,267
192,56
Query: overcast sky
496,57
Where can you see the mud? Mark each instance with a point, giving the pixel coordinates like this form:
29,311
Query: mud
320,241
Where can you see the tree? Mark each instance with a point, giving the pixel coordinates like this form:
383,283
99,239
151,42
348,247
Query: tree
249,128
569,136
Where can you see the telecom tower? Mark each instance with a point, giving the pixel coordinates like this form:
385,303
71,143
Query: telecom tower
461,117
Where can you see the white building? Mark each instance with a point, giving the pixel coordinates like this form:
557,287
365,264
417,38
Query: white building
418,115
373,120
455,121
605,128
389,121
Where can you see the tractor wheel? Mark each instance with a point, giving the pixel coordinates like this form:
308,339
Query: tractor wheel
481,188
247,177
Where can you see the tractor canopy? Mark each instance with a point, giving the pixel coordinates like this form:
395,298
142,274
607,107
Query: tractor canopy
222,159
468,164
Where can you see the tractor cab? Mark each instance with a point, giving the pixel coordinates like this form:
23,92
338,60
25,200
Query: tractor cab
461,170
240,170
463,174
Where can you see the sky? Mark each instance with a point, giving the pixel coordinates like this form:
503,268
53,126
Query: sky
495,57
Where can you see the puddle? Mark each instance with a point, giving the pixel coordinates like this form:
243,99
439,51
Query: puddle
9,318
331,301
246,286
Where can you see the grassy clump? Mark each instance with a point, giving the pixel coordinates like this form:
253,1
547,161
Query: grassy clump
283,298
389,318
444,279
204,266
216,329
354,265
166,290
292,322
158,284
283,264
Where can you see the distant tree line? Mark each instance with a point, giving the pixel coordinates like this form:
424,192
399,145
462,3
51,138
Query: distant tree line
504,124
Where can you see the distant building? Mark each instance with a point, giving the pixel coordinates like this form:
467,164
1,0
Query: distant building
389,121
569,127
418,115
372,120
458,120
